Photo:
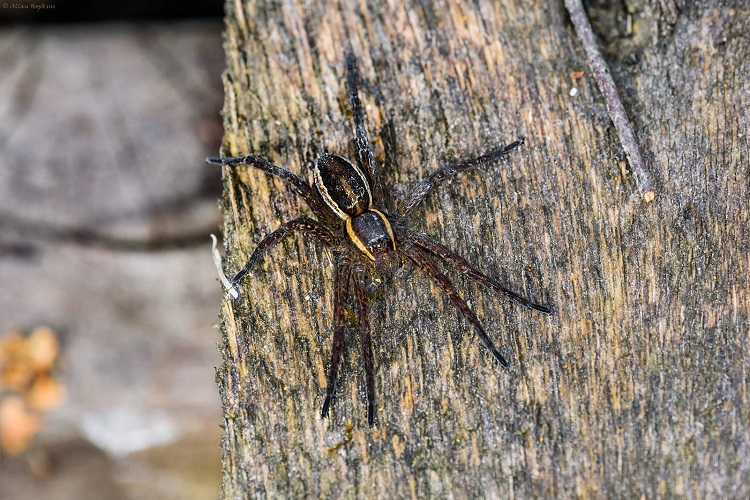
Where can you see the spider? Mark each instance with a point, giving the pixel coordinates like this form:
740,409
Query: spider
348,201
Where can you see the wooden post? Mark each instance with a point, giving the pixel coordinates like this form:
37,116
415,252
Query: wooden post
638,384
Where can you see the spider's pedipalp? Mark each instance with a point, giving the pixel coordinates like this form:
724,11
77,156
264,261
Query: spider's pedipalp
418,256
443,252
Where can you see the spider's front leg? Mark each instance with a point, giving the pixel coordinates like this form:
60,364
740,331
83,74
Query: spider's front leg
418,256
424,187
304,224
341,292
363,323
443,252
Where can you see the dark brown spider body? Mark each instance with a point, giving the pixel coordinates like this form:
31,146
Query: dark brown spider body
343,187
348,202
371,233
346,191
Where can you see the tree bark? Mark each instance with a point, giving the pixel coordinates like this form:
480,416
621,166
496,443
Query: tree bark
637,384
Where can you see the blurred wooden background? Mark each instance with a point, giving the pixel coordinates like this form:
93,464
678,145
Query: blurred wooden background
637,386
106,207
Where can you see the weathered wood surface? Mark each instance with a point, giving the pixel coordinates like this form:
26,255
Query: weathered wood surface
637,385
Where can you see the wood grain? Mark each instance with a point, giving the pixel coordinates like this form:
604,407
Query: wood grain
638,384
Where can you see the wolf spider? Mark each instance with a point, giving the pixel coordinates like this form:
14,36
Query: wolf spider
348,202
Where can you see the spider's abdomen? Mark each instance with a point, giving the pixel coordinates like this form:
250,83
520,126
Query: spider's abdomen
342,185
371,232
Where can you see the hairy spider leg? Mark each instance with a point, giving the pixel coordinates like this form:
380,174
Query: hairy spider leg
419,257
304,224
441,251
424,187
341,292
364,151
300,186
363,323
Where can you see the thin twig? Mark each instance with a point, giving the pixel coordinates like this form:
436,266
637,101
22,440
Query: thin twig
611,98
216,256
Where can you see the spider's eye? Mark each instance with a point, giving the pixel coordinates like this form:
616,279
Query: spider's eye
381,246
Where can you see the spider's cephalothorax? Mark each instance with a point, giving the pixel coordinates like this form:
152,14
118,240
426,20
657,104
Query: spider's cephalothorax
348,201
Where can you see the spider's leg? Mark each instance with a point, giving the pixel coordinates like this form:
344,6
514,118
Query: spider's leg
424,187
419,257
364,151
341,292
364,334
440,250
300,186
304,224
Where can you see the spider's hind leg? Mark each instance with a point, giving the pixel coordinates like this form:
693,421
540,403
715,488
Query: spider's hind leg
296,182
364,151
